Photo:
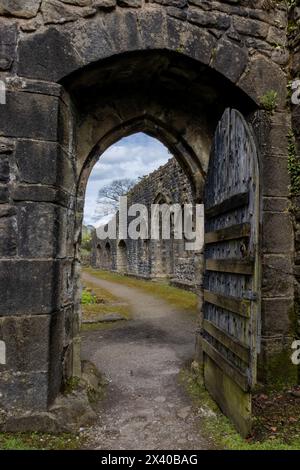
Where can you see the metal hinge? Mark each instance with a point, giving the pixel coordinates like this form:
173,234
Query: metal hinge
250,295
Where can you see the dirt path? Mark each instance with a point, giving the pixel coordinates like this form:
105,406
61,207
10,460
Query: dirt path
145,408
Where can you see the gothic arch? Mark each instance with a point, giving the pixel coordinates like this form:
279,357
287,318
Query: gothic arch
122,257
76,88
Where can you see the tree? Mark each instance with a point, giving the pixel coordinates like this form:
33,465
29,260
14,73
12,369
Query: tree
109,196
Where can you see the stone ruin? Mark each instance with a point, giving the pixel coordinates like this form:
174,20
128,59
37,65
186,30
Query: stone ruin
146,258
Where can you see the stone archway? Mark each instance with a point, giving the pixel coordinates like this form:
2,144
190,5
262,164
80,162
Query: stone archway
73,90
99,259
162,263
107,261
122,257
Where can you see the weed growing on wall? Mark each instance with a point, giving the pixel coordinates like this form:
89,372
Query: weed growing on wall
293,165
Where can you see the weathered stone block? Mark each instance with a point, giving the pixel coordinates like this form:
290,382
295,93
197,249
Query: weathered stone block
4,194
65,276
41,194
45,230
198,42
104,4
130,3
177,13
275,367
278,317
209,19
4,169
44,163
20,8
78,3
25,352
71,325
55,11
8,236
56,356
7,146
172,3
35,60
28,287
278,276
250,27
39,230
276,204
262,77
229,53
275,178
276,142
8,40
7,210
30,115
277,233
24,391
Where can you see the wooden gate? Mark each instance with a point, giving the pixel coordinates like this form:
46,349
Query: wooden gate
231,312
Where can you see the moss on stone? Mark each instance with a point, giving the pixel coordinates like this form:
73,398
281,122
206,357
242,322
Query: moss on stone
280,372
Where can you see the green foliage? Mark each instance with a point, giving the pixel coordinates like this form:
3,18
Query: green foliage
88,298
40,441
269,100
71,385
86,243
292,27
293,165
291,3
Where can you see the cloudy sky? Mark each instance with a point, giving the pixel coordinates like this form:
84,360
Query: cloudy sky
131,157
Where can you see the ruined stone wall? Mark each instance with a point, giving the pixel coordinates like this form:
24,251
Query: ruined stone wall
78,75
154,258
294,150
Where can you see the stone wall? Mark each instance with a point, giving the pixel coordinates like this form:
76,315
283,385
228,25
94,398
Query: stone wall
153,258
294,151
79,76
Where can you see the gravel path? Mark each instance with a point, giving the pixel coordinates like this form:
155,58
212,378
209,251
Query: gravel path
146,407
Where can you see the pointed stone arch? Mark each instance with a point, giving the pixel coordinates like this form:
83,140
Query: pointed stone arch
150,71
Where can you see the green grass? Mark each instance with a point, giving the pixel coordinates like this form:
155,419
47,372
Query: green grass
97,301
39,441
90,311
178,297
88,298
98,294
216,426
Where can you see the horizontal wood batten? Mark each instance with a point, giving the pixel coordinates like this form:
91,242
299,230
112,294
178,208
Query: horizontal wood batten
234,202
228,368
229,233
234,266
235,346
239,306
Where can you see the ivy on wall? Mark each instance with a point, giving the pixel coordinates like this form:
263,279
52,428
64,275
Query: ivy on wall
293,165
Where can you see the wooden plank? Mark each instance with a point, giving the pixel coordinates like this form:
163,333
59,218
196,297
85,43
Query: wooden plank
233,266
239,349
230,204
229,233
233,401
229,369
240,306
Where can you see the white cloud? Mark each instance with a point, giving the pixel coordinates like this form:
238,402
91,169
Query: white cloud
131,157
